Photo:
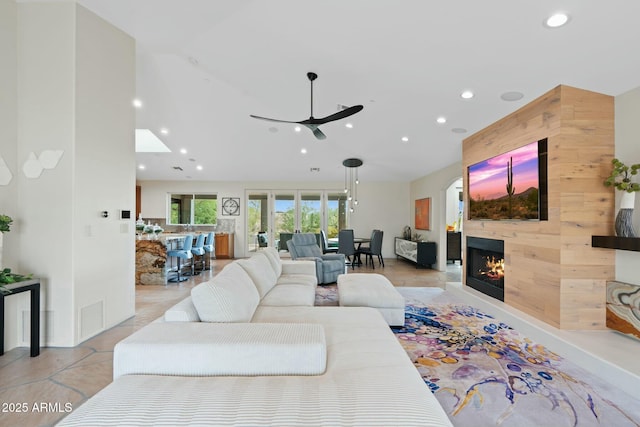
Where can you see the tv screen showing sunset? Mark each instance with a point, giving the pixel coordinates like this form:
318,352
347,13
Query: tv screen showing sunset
505,186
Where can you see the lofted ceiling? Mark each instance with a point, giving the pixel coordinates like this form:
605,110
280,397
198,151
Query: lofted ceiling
203,66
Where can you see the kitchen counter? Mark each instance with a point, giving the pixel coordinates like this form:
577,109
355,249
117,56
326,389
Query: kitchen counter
151,257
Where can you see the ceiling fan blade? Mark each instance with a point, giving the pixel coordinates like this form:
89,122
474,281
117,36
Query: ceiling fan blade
339,115
317,132
271,120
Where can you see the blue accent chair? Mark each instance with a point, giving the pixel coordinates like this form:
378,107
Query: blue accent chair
198,251
181,253
210,249
328,266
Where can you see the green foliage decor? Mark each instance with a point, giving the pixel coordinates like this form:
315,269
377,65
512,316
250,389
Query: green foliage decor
621,175
7,278
5,223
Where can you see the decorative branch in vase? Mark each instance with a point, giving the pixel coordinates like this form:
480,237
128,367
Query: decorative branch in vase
621,179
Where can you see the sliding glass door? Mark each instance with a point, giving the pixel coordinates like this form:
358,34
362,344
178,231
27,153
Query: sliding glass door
277,214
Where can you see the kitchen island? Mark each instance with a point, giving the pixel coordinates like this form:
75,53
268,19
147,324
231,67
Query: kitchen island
151,258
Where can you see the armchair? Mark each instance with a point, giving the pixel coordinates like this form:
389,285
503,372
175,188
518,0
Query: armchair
328,266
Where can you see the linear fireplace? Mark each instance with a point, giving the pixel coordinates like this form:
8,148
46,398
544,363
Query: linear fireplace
485,266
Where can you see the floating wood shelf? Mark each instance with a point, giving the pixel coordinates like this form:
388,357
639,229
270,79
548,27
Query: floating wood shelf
614,242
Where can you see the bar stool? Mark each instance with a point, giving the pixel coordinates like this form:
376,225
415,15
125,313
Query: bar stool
209,248
198,251
181,253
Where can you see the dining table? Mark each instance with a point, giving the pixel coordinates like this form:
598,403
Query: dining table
357,242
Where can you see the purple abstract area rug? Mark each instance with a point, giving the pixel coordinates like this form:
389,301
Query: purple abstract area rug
484,373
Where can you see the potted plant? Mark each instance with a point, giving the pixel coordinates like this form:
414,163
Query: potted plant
621,178
5,227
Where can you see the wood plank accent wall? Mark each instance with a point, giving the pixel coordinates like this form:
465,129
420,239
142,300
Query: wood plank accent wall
551,270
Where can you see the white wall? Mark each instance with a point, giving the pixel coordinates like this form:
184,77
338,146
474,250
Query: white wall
104,249
383,205
453,203
75,79
627,107
435,185
8,152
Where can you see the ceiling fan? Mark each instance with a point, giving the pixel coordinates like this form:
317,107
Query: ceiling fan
312,123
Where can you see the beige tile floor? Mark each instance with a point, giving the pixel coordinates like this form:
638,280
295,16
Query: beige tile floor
39,391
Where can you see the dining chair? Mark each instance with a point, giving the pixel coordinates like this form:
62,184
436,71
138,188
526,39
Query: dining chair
183,252
375,248
346,246
325,244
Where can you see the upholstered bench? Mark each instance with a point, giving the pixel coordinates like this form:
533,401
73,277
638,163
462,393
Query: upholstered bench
372,290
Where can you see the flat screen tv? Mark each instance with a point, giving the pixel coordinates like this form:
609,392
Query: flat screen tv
510,186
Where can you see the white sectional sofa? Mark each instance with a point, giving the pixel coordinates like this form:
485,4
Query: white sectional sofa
237,358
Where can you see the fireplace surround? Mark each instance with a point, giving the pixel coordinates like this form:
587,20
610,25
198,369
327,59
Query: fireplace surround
485,266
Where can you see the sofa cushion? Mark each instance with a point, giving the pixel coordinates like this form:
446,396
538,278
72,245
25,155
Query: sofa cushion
274,259
290,295
298,279
259,269
184,311
231,296
241,349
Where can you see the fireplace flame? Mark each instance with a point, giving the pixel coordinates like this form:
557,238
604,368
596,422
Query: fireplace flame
494,268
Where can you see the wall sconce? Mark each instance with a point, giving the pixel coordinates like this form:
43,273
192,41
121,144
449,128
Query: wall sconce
351,181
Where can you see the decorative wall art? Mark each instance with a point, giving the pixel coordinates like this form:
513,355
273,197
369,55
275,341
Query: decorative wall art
231,206
35,165
423,213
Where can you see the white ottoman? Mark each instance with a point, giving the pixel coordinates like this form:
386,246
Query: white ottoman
372,290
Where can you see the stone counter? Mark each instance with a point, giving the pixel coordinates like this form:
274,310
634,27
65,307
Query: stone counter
151,258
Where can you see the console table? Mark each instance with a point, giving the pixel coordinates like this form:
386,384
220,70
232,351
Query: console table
422,253
34,287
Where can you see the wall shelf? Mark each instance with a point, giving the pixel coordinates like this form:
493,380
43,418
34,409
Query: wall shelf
614,242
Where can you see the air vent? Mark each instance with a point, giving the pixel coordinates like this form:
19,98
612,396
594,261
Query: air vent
178,168
314,169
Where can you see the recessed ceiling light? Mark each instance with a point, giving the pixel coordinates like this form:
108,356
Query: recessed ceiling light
297,128
458,130
467,94
441,120
556,20
405,139
164,131
349,125
137,103
183,150
303,150
141,167
512,96
199,167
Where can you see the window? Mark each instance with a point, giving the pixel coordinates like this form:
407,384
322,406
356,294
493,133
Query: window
201,209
